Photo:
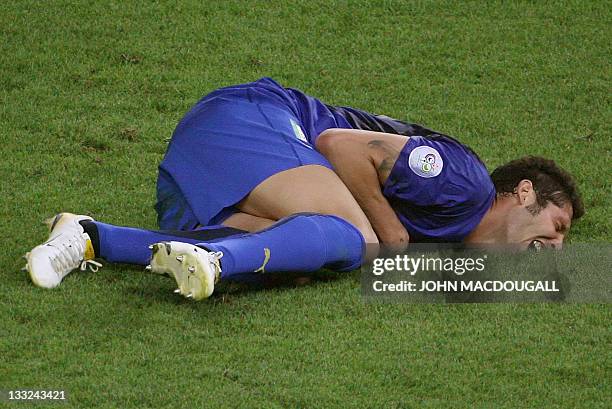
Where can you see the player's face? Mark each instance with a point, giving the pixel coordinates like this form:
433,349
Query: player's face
547,229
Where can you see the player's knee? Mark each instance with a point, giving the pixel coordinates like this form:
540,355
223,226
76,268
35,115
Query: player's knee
372,245
368,234
363,226
360,222
365,231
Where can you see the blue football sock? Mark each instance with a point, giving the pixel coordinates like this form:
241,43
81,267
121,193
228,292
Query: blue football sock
118,244
303,242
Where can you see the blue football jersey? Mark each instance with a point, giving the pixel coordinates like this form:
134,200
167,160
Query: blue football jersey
237,136
439,188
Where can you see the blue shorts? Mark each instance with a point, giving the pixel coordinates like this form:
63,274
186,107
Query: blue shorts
230,142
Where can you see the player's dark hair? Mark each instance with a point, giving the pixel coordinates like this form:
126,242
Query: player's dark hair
550,183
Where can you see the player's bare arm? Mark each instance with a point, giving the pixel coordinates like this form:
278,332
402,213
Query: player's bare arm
363,160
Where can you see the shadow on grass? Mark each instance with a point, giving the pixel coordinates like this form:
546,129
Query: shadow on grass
155,287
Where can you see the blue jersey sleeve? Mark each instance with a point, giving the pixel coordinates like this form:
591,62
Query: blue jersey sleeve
439,189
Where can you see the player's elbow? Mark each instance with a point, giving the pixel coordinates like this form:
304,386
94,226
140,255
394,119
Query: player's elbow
328,141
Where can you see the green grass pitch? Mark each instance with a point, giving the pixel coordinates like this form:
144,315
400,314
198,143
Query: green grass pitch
91,91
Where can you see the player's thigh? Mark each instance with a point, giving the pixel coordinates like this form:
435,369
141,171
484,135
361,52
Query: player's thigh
310,188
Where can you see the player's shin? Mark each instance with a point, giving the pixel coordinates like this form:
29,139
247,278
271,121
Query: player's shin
300,243
119,244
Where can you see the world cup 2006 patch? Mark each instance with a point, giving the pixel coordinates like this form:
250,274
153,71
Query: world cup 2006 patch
425,161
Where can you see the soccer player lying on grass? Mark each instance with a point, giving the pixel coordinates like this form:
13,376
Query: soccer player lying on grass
260,178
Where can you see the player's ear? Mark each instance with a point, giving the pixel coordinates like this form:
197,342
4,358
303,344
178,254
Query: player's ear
524,191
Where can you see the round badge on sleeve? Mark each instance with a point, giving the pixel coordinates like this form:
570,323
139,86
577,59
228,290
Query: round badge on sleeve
425,161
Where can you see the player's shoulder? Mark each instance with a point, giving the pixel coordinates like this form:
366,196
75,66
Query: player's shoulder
443,170
460,169
459,157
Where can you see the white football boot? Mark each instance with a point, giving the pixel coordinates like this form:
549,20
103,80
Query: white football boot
67,248
195,270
